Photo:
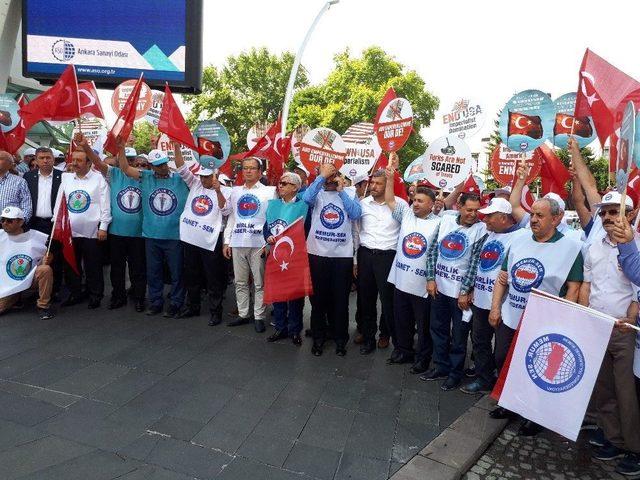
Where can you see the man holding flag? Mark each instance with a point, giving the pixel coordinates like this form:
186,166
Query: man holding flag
24,262
607,289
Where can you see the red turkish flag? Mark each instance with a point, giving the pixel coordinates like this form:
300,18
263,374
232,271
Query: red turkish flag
172,122
60,102
553,173
581,126
273,147
12,140
286,273
601,88
62,233
399,189
124,124
521,124
89,102
471,186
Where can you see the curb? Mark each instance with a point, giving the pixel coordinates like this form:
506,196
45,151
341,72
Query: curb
457,448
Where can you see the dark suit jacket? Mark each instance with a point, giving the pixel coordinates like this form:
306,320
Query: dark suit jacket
32,182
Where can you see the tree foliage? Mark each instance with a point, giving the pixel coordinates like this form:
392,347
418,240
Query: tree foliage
142,134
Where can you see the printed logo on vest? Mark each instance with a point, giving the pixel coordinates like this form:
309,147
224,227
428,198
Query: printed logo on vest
555,363
414,245
163,201
277,227
491,256
79,201
129,199
331,216
454,246
248,205
201,205
527,274
19,266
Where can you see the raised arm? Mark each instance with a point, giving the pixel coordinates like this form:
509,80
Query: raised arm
586,178
578,198
80,140
127,169
452,198
390,172
522,171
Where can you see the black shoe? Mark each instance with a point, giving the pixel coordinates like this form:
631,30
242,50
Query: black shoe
433,374
399,359
117,303
239,321
341,349
419,367
596,438
214,320
172,312
277,335
154,310
629,465
296,340
608,452
316,349
369,346
450,384
476,386
71,300
501,413
45,314
139,306
259,327
93,304
529,429
307,332
470,372
188,312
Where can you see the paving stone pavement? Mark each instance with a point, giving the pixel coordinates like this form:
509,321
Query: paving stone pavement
547,456
104,395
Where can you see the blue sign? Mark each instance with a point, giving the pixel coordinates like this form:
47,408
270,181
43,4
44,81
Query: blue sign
415,170
9,117
566,124
527,120
205,134
625,147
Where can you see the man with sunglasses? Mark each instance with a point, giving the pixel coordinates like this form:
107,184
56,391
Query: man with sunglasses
607,289
22,252
246,209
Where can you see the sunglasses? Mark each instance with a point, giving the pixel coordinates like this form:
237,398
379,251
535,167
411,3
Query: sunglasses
613,212
284,184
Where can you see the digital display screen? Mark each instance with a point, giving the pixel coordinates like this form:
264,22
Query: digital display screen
111,41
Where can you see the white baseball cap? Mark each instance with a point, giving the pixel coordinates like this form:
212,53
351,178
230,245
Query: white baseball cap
557,198
497,205
205,172
130,152
57,153
223,178
614,198
29,151
12,212
359,178
158,157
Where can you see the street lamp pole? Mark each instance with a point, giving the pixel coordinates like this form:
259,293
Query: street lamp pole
296,64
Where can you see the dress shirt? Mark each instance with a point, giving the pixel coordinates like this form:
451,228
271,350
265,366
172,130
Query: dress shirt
15,192
229,209
378,229
611,291
45,185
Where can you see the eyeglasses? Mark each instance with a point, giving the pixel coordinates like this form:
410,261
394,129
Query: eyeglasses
249,168
284,184
613,212
8,220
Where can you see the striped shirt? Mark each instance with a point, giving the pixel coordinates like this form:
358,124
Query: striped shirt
14,192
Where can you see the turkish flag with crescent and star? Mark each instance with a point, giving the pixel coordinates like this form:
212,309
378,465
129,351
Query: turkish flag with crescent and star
570,125
172,123
59,102
124,123
601,88
554,174
521,124
286,273
89,102
62,233
274,148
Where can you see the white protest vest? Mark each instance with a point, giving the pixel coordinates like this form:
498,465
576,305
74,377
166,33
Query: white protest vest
19,256
454,253
408,272
532,264
201,219
250,208
82,196
494,251
330,234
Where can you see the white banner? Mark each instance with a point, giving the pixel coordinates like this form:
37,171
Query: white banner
19,256
555,363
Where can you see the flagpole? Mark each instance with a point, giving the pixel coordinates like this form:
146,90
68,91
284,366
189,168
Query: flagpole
296,64
55,220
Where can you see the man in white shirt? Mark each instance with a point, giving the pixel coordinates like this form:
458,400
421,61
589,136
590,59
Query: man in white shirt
607,289
86,194
247,208
378,235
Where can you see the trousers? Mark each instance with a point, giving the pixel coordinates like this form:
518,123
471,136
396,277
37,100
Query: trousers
373,271
43,281
89,258
128,251
450,335
249,261
288,316
200,263
157,252
412,313
481,337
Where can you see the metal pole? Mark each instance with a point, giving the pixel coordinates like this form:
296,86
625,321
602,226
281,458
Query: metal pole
296,64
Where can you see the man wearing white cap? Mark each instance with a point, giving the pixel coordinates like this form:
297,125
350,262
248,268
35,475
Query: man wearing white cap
546,260
59,160
164,195
304,176
477,288
607,289
24,263
200,233
28,157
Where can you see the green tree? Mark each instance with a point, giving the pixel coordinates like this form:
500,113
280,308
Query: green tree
250,88
599,166
142,133
353,90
